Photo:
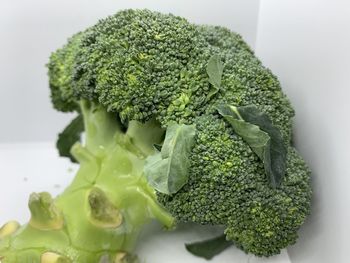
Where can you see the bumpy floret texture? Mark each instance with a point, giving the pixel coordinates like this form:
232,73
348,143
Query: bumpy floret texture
227,186
142,65
60,75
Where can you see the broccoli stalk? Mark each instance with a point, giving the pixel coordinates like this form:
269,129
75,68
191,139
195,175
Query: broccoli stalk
99,215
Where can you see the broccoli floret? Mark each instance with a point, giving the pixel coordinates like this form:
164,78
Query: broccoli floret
123,54
60,67
227,186
148,86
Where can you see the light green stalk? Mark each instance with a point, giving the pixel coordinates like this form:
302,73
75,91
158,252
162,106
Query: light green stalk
99,216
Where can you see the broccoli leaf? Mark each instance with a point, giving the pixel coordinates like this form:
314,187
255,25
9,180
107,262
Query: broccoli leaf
257,139
209,248
263,137
69,136
214,71
167,170
276,168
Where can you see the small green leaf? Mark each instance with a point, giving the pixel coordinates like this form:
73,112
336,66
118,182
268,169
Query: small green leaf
167,170
277,154
256,138
209,248
69,136
262,136
214,71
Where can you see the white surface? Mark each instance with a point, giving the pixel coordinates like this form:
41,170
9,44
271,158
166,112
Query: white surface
27,168
307,44
31,30
35,167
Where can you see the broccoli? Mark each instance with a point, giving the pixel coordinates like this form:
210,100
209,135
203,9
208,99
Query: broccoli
182,123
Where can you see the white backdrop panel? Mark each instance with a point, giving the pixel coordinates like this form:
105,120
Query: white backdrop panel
307,45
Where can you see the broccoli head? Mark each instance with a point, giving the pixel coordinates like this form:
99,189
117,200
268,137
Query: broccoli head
149,88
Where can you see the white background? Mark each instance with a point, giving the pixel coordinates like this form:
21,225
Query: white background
306,43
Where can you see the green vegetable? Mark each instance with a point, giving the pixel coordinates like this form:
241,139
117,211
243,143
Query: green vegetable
262,136
167,171
209,248
133,76
214,71
92,219
257,139
70,135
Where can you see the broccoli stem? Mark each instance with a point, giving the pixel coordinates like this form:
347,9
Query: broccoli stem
99,215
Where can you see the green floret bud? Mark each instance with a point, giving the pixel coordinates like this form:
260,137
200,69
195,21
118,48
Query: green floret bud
114,65
227,186
142,65
61,66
